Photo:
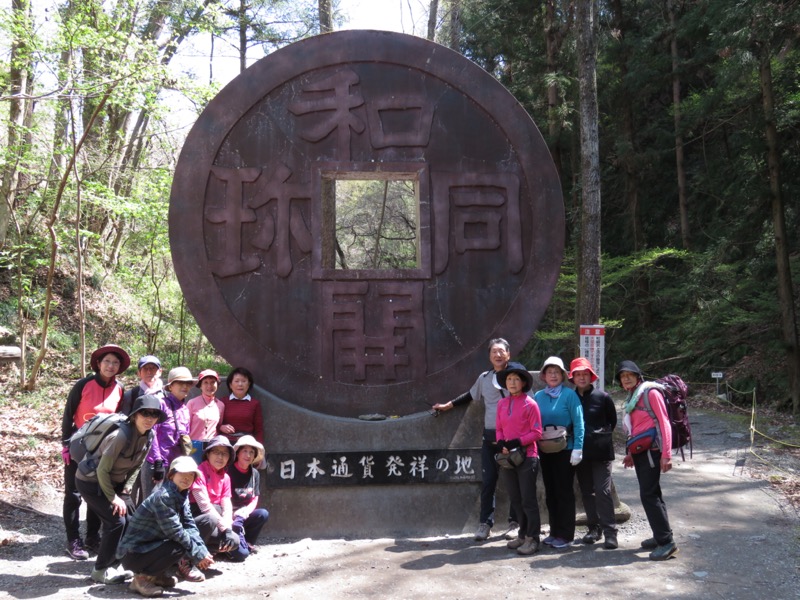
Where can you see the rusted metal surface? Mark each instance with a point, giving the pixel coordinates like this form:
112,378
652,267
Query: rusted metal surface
246,222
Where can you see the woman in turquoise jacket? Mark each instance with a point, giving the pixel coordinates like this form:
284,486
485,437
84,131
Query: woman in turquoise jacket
560,450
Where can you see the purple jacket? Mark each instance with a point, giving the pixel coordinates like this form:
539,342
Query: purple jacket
165,444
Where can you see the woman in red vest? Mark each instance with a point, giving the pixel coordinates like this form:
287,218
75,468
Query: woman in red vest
98,393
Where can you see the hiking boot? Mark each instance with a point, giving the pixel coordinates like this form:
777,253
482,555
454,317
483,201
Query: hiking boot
559,543
513,530
593,535
92,543
483,532
531,546
664,551
611,542
144,585
649,544
111,575
164,580
189,572
76,550
515,543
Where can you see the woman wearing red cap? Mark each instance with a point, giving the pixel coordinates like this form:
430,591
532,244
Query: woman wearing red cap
594,471
98,393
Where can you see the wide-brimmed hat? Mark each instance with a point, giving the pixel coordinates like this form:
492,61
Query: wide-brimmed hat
519,369
552,360
631,367
581,364
207,373
184,464
148,360
180,374
249,440
97,355
149,402
219,440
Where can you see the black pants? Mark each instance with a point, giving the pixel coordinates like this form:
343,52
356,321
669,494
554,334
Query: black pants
113,525
558,476
72,506
521,487
156,561
489,476
207,526
650,494
594,478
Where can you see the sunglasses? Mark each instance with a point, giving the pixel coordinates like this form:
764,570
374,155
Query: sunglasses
150,414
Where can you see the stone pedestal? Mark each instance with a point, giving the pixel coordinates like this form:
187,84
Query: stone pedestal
307,507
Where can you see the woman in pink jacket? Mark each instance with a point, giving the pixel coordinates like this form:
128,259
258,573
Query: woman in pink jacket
519,426
649,451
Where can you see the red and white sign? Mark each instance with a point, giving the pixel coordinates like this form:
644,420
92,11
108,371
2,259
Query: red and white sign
593,347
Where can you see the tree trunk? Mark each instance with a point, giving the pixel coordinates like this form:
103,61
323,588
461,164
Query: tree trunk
325,16
588,309
455,25
554,34
785,289
243,35
630,170
676,111
17,104
79,282
433,14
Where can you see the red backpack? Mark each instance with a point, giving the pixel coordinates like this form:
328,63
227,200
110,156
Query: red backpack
675,392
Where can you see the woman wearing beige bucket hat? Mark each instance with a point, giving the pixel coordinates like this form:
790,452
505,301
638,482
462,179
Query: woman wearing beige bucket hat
248,519
172,436
560,450
210,498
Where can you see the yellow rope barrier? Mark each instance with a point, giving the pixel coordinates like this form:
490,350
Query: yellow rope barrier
754,431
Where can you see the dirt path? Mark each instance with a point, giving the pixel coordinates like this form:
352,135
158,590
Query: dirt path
739,539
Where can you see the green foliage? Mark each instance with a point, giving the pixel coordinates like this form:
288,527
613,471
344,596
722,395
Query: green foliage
713,305
377,224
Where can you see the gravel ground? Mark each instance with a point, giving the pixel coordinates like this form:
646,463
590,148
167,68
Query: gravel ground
739,538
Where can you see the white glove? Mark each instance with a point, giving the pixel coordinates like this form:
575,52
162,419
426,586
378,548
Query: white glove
576,457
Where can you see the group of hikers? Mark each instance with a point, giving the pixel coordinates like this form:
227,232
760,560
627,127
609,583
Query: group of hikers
567,434
174,484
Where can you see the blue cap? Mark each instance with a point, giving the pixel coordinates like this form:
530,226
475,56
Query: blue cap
149,360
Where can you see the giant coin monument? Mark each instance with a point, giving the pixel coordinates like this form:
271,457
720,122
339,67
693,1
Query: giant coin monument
260,244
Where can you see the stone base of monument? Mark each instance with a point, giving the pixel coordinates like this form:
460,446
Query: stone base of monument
418,475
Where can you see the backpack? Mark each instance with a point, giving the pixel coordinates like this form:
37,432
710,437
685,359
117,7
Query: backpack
675,392
91,434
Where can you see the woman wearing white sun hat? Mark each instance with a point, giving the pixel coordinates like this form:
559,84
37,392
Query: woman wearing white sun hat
562,414
248,519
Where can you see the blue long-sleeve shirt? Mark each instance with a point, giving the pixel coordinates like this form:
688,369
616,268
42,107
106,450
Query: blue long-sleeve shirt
566,411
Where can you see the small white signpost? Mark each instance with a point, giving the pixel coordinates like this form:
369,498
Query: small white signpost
717,375
593,347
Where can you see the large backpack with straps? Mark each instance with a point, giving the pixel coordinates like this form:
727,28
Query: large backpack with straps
675,392
92,433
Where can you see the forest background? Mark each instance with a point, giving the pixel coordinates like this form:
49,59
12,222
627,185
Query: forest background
689,186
